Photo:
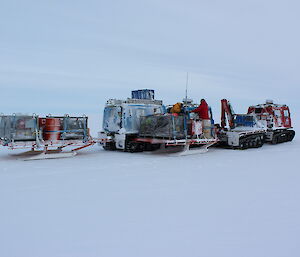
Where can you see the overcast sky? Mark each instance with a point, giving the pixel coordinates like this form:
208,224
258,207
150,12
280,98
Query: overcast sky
68,56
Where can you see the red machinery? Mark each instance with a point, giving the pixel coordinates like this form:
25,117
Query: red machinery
276,118
226,110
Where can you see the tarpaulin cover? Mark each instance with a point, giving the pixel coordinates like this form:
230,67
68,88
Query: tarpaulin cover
163,126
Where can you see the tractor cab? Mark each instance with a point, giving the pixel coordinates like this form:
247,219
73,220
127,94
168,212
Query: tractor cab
272,115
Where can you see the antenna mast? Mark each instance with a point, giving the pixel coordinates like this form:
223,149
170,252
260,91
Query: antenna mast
186,87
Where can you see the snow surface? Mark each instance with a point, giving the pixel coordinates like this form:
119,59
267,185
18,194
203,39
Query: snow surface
100,203
71,56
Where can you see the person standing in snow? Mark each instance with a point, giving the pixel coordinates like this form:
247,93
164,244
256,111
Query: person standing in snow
202,111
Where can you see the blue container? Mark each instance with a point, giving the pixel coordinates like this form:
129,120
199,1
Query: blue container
244,121
143,94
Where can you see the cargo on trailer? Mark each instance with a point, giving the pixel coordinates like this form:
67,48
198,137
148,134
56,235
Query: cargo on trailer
52,134
173,131
55,128
17,128
163,126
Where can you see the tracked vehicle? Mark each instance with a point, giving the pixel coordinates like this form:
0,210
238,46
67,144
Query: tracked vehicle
142,123
121,119
277,120
243,130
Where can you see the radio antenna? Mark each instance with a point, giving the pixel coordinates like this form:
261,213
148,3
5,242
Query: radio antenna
186,87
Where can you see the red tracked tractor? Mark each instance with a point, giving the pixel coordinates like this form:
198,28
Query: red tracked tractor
267,122
277,120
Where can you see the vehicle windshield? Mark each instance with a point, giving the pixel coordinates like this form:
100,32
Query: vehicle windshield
112,118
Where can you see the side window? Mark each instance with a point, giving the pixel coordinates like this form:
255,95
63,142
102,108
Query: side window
140,112
258,110
286,113
277,113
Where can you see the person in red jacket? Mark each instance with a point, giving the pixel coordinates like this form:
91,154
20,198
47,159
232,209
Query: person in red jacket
202,111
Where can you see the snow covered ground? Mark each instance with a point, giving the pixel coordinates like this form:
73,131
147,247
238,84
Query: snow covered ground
110,204
71,56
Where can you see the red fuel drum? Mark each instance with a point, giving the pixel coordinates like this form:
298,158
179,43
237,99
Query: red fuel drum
52,128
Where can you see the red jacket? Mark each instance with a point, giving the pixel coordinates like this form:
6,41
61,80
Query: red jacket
202,110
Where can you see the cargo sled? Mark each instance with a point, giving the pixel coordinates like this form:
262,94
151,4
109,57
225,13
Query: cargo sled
46,137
